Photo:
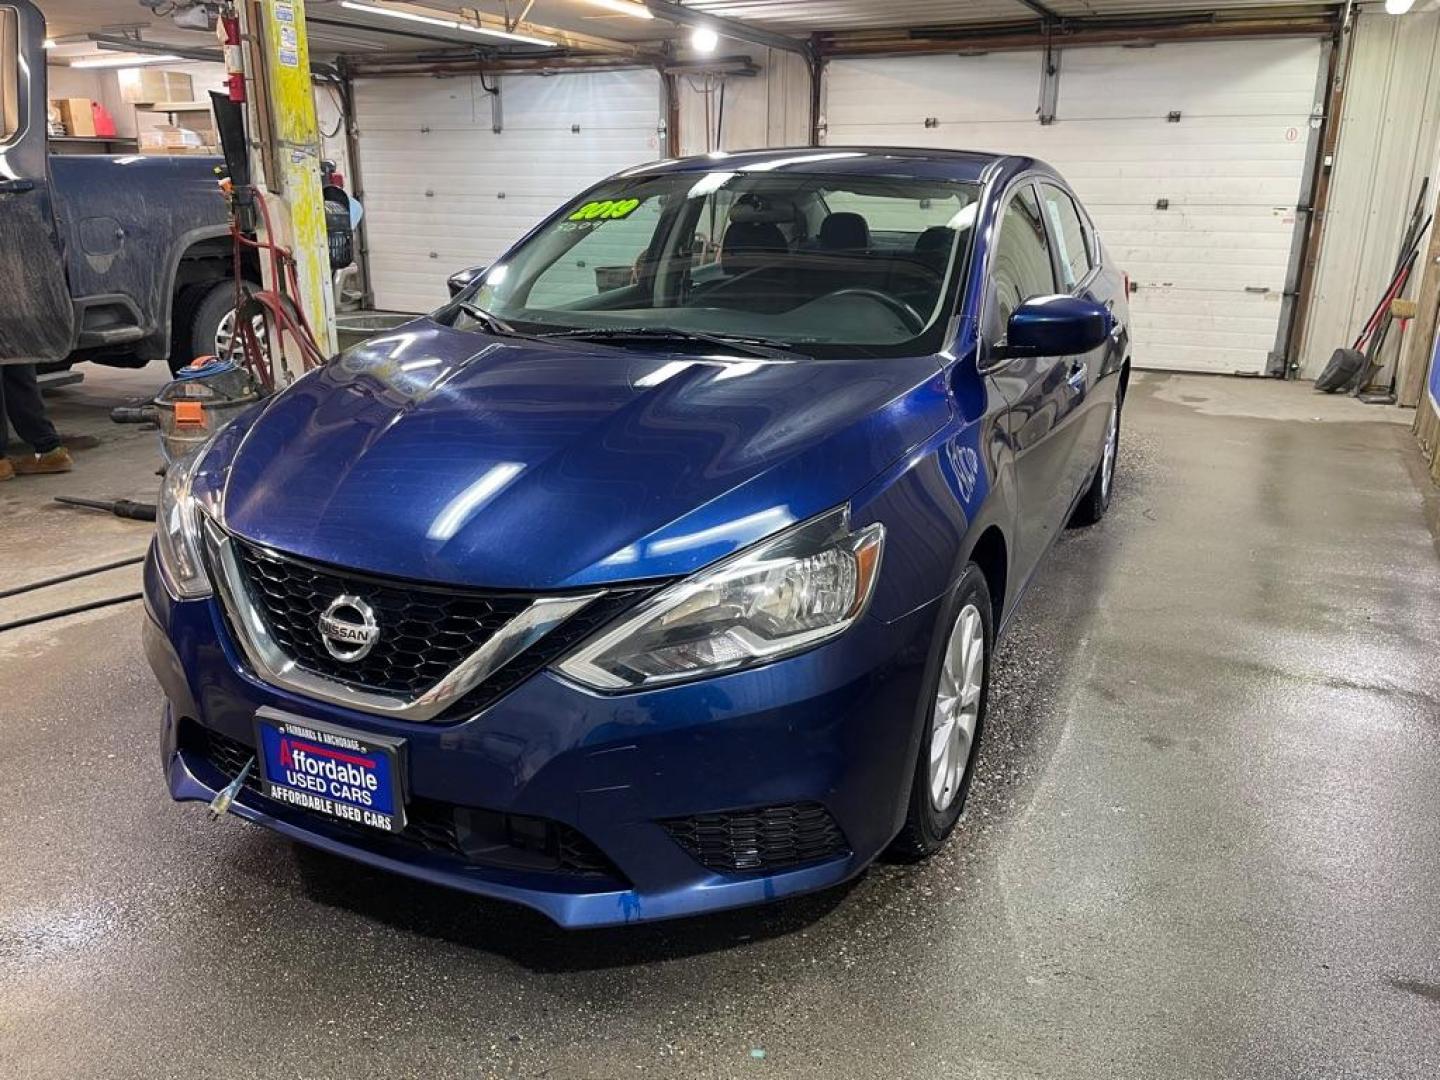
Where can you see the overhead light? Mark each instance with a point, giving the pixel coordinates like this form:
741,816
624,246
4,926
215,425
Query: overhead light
624,7
123,61
49,43
471,28
446,24
1398,7
396,13
704,40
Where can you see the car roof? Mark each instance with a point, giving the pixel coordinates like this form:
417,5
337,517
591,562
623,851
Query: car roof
895,161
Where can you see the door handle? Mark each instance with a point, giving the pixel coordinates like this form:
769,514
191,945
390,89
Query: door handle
15,187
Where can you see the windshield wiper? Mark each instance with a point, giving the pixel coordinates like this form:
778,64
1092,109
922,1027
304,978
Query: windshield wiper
753,346
492,323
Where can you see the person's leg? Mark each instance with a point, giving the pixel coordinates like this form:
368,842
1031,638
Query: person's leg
26,410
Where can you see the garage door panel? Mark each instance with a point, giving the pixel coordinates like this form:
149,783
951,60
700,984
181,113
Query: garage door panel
1230,78
425,102
992,88
1230,171
1201,330
1214,193
459,194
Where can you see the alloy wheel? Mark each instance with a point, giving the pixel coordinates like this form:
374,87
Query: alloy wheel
1112,439
225,335
957,706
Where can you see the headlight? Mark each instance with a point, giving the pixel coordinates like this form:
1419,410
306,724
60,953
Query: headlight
785,594
177,532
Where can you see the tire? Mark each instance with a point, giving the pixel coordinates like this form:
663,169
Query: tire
200,309
1096,500
938,793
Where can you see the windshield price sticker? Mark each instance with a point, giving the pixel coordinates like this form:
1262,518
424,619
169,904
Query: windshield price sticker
605,210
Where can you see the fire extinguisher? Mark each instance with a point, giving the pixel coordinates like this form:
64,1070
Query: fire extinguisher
227,29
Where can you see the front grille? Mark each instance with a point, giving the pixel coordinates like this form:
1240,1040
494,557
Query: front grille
468,834
425,630
762,840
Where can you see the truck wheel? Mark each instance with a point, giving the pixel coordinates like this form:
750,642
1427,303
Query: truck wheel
213,323
205,322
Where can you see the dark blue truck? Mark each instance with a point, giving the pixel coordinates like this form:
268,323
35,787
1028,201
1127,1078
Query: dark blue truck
121,259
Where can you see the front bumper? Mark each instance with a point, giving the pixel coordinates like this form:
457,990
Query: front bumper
836,726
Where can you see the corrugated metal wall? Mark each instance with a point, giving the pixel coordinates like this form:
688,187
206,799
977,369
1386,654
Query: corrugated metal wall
769,109
1387,145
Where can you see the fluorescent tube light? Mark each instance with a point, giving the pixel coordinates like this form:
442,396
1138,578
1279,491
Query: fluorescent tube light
446,24
471,28
396,13
624,7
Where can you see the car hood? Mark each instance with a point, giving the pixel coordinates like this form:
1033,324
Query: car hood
441,455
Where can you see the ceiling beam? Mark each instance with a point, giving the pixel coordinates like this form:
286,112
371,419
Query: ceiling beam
121,43
1070,34
1048,14
730,28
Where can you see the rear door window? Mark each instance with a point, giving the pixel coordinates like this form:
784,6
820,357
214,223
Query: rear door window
1069,235
1021,269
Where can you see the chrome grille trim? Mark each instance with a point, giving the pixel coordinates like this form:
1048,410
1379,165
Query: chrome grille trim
272,665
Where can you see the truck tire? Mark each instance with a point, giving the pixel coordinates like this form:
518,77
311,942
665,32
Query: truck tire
200,310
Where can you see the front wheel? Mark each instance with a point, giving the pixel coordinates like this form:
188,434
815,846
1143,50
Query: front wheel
959,687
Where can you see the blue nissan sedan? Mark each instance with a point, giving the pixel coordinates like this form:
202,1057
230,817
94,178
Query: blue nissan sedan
659,571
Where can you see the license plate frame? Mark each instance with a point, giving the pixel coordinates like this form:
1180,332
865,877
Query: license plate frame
333,760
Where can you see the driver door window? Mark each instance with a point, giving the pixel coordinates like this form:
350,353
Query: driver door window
1022,268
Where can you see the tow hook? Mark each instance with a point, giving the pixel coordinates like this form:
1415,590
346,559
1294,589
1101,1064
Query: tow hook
226,795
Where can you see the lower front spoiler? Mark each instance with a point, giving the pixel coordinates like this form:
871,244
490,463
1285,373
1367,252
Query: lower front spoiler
571,910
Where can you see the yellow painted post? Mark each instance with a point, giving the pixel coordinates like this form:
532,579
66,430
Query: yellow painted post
293,194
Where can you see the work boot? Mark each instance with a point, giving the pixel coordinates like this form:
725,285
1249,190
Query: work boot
52,461
7,471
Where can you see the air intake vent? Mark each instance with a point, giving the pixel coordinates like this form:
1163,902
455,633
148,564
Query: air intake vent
759,841
468,834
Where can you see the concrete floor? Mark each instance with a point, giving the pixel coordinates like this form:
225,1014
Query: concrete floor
1205,840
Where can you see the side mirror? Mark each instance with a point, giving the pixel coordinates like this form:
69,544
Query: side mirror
463,279
1055,326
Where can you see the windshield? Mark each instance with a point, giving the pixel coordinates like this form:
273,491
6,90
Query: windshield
819,265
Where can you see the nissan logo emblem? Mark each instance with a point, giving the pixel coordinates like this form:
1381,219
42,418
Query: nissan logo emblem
348,629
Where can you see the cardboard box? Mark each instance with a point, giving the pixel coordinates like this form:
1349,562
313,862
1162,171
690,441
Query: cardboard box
77,114
170,139
148,84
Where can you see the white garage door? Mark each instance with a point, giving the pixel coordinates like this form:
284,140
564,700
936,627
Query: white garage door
1211,267
444,191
